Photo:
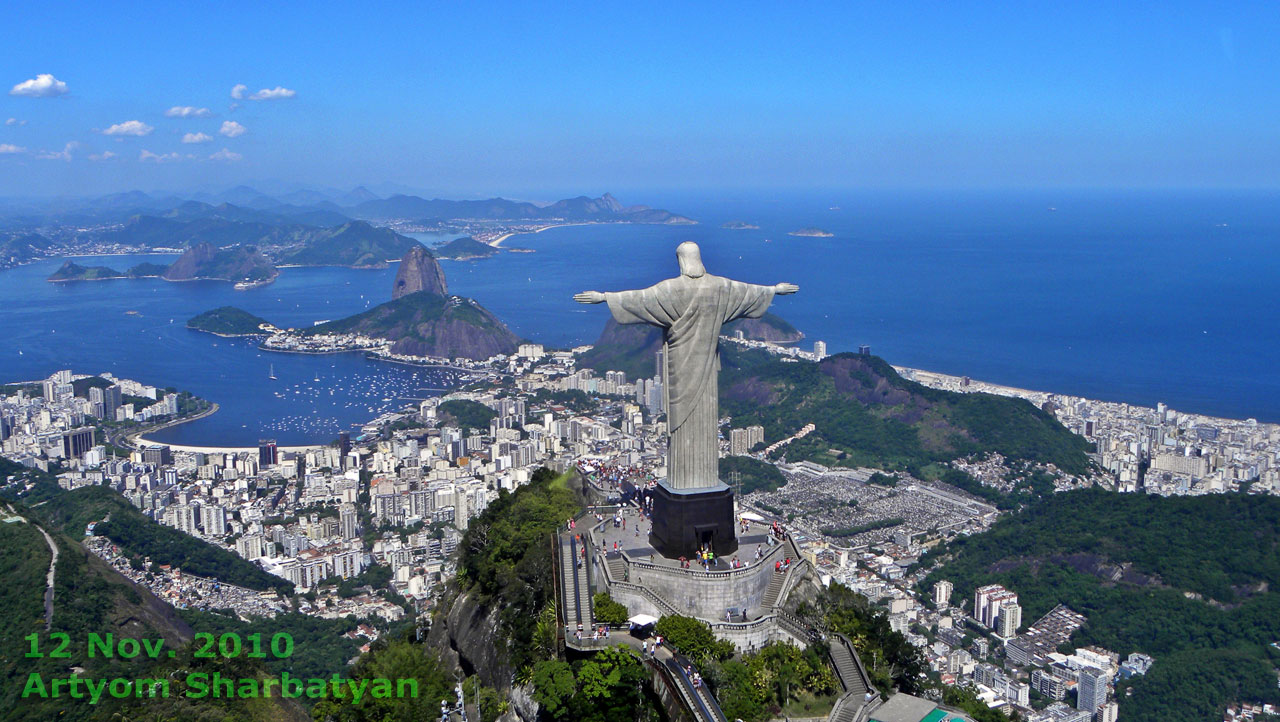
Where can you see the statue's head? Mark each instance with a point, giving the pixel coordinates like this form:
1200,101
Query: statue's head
690,257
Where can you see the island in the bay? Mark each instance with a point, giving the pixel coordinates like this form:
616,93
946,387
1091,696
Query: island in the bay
739,226
231,321
811,232
72,271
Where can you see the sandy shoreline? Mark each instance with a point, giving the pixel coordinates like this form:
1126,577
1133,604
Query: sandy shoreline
497,242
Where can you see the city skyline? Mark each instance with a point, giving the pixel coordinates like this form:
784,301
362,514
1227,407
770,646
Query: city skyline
521,102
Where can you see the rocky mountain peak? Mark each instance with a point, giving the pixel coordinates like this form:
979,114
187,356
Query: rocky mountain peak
419,271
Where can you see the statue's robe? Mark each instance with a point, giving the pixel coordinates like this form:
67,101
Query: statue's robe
691,311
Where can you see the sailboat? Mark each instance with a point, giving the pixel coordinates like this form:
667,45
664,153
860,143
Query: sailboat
272,374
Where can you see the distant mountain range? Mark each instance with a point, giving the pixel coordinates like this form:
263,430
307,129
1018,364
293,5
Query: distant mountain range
316,208
306,228
582,208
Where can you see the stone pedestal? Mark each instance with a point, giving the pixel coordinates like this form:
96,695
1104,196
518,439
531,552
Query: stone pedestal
685,520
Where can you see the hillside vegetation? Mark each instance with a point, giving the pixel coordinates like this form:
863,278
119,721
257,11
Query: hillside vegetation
466,414
865,414
752,474
91,597
72,271
206,261
1190,581
227,321
506,557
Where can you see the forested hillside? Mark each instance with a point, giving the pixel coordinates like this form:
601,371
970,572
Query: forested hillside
1192,581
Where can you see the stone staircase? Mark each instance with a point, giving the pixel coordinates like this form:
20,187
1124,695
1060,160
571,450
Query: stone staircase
617,568
853,678
776,583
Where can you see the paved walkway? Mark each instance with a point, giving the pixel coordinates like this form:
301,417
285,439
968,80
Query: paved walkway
633,540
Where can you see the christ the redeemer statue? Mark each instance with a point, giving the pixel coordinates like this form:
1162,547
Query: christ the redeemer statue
693,508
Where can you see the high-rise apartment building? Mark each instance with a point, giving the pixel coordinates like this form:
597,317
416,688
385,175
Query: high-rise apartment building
348,521
213,519
1009,619
987,601
942,594
1091,690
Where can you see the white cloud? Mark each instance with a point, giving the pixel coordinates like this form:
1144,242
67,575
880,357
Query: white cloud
226,154
43,85
104,155
147,155
232,129
187,111
197,138
15,121
64,154
129,127
277,93
9,148
237,91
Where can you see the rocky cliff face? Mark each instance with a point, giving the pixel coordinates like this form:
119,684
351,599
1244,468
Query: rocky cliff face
465,632
419,271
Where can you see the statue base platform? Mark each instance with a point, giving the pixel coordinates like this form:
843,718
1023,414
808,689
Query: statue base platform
686,520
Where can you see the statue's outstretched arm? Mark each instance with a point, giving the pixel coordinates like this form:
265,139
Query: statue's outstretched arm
589,297
785,289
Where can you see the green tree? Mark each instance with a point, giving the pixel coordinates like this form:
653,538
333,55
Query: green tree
609,611
693,638
554,685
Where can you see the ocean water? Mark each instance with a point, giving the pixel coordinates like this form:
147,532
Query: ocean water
1143,298
87,328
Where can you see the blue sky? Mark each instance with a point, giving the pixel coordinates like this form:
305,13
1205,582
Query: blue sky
537,102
